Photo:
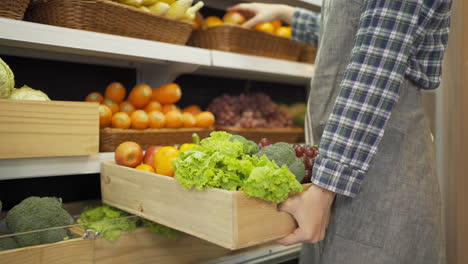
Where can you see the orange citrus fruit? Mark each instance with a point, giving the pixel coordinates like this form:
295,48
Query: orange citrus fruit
188,120
276,23
193,109
153,106
165,167
94,97
174,119
116,92
140,119
145,167
213,21
167,94
114,107
266,27
156,119
205,119
140,95
121,120
126,107
284,32
169,107
105,115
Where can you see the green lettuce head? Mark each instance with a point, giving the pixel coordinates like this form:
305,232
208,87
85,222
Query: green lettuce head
7,80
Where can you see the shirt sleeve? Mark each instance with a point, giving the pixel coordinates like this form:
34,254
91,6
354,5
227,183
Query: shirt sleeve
305,26
369,90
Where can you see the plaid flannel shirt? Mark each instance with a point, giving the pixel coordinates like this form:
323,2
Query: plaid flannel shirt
396,39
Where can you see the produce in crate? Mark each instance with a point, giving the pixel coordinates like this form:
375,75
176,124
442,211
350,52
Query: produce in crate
38,213
307,154
148,158
249,111
7,80
128,154
283,154
105,116
94,97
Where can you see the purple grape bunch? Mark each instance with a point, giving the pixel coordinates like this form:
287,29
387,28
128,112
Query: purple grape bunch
307,154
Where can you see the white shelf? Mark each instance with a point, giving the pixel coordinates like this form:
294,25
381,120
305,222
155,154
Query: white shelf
28,39
52,166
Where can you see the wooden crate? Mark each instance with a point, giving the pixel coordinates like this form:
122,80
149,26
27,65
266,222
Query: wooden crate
226,218
110,138
53,128
139,246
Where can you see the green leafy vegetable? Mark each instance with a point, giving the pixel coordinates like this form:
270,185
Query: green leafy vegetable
159,229
110,222
27,93
7,80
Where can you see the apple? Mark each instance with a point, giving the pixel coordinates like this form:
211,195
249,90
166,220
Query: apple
149,155
234,17
128,154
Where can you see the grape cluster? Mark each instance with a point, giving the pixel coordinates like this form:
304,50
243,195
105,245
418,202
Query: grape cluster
255,110
264,142
307,154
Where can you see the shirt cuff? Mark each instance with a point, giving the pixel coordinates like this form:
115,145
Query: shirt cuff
336,177
299,23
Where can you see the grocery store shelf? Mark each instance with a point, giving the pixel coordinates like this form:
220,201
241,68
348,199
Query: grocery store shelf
26,39
28,35
308,4
270,254
52,166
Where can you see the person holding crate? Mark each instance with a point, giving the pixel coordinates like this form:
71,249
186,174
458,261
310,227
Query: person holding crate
375,197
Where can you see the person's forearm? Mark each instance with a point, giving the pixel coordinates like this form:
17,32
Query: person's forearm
287,13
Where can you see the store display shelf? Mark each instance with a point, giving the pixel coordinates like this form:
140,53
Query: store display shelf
21,38
308,4
52,166
271,253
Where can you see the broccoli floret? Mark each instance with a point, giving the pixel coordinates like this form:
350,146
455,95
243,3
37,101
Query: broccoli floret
7,243
283,154
248,146
36,213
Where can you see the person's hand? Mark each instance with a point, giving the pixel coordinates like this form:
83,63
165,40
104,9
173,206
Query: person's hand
311,209
257,13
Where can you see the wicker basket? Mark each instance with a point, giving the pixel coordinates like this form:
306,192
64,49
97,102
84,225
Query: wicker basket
289,135
240,40
308,54
110,138
13,8
109,17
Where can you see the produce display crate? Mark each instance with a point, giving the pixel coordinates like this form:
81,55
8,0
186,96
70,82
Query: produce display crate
13,8
109,17
52,128
226,218
289,135
246,41
139,246
110,138
308,54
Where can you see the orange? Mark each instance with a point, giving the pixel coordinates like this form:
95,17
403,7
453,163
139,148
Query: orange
266,27
198,21
213,21
105,115
140,119
169,107
94,97
145,167
284,32
193,109
140,95
153,106
111,104
205,119
188,120
276,23
126,107
116,92
174,119
167,94
165,152
156,119
121,120
165,167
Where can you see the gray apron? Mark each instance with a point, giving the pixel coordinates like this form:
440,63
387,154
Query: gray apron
396,217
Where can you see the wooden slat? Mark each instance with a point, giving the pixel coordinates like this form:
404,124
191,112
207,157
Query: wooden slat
42,129
204,214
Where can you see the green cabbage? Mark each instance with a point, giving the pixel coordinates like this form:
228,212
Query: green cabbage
7,80
219,162
27,93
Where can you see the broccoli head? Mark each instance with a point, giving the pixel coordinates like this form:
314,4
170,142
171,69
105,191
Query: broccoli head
7,243
248,146
36,213
283,154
